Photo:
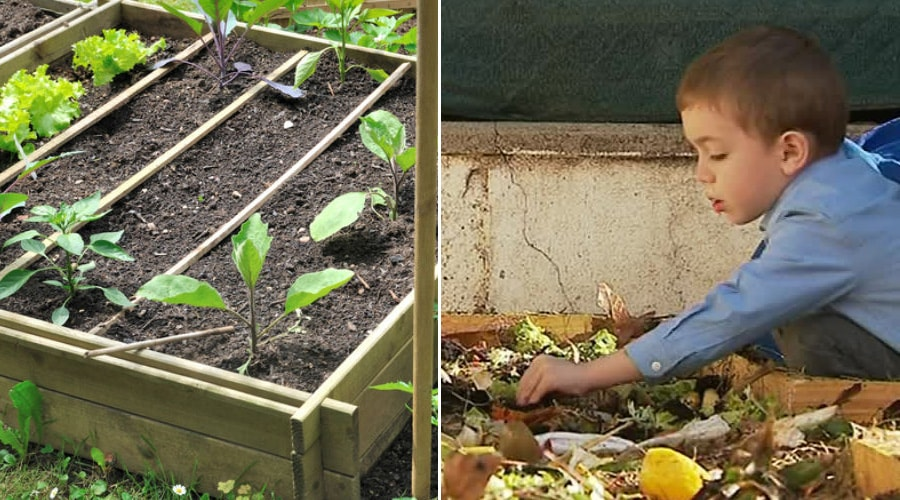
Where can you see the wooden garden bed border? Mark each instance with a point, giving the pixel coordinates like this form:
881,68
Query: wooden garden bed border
195,407
63,21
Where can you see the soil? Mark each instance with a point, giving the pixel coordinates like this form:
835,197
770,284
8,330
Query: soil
179,207
18,17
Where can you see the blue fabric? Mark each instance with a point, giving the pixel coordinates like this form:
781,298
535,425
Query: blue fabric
880,148
831,240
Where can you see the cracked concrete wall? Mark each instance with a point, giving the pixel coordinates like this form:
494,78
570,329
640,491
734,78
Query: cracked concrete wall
534,216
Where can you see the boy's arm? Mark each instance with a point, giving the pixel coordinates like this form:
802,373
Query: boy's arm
806,266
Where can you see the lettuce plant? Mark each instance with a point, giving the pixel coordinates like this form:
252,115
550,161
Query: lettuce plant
384,135
249,249
219,18
112,54
35,105
72,268
337,27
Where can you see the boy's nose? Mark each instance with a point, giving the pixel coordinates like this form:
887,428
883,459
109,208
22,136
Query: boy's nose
703,173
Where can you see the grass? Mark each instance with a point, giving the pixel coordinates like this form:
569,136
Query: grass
72,477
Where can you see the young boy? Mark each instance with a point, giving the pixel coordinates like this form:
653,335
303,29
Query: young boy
766,111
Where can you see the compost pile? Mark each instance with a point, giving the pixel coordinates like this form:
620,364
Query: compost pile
708,436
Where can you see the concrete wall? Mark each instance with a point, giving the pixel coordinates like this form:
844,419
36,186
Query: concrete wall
534,216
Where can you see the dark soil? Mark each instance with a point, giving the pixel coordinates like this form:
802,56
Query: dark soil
179,207
18,17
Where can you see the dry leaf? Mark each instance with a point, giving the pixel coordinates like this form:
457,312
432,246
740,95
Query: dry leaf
625,326
466,476
518,443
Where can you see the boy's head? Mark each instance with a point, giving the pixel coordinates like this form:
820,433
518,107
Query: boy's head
758,108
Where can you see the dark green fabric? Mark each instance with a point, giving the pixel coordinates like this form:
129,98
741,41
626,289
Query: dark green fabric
621,60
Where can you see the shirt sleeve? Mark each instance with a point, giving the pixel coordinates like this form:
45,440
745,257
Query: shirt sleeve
807,264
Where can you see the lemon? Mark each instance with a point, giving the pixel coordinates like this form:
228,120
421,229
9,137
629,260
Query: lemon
669,475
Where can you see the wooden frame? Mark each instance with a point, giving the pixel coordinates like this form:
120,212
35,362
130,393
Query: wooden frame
69,12
144,405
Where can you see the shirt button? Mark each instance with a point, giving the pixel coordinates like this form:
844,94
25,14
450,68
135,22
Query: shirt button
656,366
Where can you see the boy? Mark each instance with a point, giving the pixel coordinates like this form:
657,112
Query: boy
766,112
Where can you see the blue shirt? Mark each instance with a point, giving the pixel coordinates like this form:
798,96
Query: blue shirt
832,240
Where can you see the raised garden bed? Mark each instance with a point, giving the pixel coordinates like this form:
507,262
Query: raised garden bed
180,189
24,21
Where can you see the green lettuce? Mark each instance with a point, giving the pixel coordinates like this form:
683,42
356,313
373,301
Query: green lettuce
36,105
112,54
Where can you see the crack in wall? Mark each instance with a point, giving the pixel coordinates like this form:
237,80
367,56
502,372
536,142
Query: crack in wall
512,179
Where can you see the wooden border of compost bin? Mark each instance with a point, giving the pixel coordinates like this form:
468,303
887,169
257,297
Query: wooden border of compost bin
795,392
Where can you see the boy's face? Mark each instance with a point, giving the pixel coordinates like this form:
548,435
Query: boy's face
742,176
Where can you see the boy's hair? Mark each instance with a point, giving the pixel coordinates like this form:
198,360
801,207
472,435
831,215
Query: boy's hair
771,80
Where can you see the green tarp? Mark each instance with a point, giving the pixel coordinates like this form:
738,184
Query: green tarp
621,60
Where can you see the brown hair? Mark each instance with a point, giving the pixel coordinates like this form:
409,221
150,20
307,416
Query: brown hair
772,80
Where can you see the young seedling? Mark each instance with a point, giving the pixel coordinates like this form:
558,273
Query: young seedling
383,135
71,271
219,18
337,27
408,388
28,402
249,249
114,53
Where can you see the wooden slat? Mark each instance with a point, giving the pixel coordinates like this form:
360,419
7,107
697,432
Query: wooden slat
340,421
384,413
54,45
58,6
98,114
797,393
58,23
341,486
875,470
114,431
154,20
306,441
147,392
472,329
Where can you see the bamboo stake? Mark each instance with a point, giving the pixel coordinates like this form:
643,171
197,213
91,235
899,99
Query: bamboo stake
427,131
154,342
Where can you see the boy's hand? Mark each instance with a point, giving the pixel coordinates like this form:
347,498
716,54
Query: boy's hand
549,374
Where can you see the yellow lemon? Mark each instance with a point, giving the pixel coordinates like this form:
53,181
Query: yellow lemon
669,475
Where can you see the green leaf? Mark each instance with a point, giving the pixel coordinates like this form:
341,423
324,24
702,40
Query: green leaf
60,315
338,214
181,290
112,237
114,53
195,24
14,280
87,266
116,297
87,206
98,457
379,75
26,235
71,243
110,250
406,159
27,400
264,9
307,66
394,386
250,247
10,437
33,246
10,202
313,286
383,134
98,487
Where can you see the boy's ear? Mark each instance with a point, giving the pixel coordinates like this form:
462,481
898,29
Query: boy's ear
795,152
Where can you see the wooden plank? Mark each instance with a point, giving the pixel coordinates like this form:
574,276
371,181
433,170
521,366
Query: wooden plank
309,482
796,392
58,6
54,45
341,486
147,392
58,23
179,450
384,413
154,20
98,114
472,329
340,421
876,463
356,373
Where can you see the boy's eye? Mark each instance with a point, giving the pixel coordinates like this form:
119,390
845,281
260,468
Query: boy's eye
718,157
